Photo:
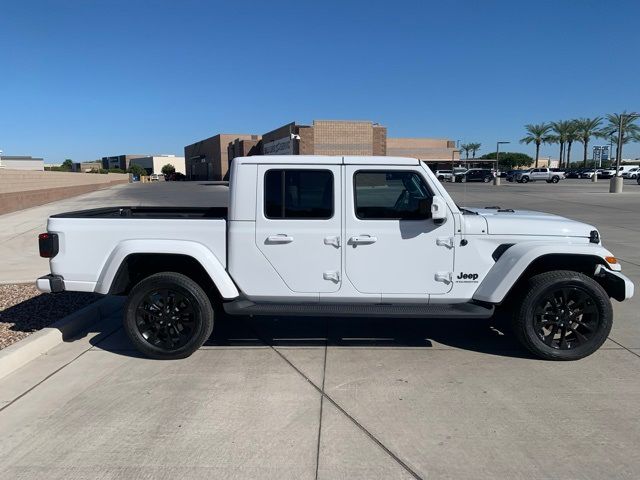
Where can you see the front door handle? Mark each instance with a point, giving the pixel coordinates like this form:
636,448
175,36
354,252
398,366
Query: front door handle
280,238
363,240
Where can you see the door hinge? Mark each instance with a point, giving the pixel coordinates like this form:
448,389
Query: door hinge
444,277
335,241
332,275
445,242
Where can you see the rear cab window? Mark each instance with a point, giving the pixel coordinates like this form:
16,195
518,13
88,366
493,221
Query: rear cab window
298,194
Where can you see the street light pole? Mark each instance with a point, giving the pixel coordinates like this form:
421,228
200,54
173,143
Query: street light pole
617,181
496,178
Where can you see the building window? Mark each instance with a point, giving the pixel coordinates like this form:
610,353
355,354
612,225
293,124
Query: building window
391,195
298,194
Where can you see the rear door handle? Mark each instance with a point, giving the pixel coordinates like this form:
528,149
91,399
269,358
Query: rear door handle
280,238
363,240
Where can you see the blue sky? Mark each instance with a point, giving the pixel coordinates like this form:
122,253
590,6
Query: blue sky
81,79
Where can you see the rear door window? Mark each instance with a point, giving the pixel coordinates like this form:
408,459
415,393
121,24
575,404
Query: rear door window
298,194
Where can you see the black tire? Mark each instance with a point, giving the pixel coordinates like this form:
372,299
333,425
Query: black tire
525,180
486,179
441,178
555,179
565,303
168,316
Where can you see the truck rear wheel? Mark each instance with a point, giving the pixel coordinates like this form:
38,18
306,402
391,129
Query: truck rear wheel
565,315
168,316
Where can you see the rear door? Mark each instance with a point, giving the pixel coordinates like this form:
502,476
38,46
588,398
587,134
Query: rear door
298,224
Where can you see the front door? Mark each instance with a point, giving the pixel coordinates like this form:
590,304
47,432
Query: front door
298,224
392,245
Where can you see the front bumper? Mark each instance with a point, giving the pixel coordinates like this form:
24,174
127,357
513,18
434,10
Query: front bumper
50,284
616,284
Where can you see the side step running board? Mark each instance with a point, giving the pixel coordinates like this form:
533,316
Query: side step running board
461,310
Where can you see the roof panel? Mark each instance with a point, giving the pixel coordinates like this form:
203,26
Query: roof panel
325,160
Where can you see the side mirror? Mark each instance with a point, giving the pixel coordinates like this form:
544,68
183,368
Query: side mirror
438,209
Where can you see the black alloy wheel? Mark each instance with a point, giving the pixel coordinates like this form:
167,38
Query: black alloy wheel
165,318
168,316
564,315
555,180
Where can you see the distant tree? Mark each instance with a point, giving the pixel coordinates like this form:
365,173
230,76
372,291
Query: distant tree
67,165
630,129
116,170
466,148
474,147
572,136
561,130
168,169
510,160
137,170
537,134
585,129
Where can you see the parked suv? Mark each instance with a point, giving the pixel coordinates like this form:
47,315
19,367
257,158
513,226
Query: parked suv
475,175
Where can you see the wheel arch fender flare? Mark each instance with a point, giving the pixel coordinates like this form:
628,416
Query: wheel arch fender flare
516,260
199,252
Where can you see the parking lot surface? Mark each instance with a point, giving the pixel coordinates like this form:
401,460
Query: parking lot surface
339,398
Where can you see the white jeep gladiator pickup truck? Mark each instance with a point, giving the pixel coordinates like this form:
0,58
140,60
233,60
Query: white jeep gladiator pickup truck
340,236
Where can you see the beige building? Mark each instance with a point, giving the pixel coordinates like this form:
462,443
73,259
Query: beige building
423,148
154,163
209,159
21,163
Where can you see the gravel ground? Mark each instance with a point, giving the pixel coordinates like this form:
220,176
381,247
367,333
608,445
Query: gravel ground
24,310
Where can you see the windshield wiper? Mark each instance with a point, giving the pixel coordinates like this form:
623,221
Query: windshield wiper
466,211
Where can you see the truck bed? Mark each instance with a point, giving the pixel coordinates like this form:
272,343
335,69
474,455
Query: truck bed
192,213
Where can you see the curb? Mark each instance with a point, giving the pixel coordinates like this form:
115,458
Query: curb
38,343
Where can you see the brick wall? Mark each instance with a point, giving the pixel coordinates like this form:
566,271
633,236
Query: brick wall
23,189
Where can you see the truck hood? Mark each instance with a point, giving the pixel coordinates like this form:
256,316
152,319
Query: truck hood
526,222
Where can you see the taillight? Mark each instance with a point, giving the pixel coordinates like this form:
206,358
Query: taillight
48,243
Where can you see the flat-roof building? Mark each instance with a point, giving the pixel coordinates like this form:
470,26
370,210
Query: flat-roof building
154,163
209,159
120,161
21,162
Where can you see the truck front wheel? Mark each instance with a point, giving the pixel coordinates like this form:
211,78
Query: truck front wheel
565,315
168,316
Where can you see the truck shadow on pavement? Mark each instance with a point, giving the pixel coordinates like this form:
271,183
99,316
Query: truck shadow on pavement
432,334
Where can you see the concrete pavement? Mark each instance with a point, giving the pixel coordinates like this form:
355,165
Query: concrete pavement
342,398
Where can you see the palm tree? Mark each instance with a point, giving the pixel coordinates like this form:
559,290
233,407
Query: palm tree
630,129
474,148
585,129
466,148
561,130
572,136
538,134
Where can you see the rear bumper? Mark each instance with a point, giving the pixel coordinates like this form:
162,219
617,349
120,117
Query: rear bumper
616,284
50,284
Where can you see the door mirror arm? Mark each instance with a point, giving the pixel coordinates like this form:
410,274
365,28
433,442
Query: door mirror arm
438,210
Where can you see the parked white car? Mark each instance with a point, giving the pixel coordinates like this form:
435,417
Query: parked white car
631,173
338,236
